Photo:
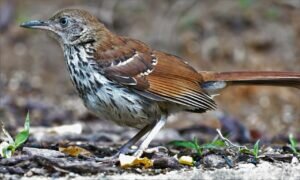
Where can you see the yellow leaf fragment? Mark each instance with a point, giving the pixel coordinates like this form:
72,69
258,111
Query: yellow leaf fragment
186,160
74,151
131,161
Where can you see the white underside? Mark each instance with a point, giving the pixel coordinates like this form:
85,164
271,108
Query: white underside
137,114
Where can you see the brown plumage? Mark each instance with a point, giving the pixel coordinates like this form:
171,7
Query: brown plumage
128,82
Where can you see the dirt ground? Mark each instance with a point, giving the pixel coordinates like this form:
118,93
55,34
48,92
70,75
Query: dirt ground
263,171
210,35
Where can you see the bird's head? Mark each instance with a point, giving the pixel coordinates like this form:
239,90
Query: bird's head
70,26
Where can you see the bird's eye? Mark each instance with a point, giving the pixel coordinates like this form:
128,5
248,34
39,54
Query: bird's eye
63,22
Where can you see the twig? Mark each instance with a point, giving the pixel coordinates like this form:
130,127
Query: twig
228,142
7,137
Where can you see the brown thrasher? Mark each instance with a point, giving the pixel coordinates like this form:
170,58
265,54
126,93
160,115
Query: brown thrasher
126,81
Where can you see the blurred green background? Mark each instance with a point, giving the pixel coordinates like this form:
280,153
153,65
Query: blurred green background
211,35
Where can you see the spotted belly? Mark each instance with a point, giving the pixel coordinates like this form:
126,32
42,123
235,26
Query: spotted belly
120,105
105,98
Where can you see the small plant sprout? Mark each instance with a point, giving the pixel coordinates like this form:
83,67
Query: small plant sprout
293,144
198,149
9,145
215,144
243,149
255,150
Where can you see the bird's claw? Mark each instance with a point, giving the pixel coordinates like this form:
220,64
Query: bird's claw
136,153
115,158
110,159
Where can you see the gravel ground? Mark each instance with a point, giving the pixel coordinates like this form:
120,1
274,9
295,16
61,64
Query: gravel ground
264,170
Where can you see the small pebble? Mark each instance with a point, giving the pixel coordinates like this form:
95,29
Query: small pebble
213,160
186,160
295,160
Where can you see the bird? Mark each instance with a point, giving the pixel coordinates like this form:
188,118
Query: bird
126,81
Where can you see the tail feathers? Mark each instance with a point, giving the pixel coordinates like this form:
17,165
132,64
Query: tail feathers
219,80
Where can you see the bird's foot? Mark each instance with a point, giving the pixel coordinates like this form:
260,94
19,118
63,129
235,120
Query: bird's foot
139,152
115,158
111,159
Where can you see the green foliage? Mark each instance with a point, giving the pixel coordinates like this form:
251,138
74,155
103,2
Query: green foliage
256,149
9,146
254,152
199,148
293,144
186,144
216,144
23,135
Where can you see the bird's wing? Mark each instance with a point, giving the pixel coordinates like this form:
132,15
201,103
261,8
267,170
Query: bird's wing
155,75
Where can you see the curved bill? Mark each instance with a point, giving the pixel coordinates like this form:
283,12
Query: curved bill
35,24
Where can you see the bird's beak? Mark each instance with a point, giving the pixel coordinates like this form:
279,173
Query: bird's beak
36,24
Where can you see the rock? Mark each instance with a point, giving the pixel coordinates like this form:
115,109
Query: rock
36,171
186,160
166,162
43,152
279,157
295,161
213,161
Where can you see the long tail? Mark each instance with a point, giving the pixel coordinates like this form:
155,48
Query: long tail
213,81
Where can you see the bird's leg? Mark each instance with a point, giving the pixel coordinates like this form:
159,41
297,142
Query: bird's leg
144,145
126,147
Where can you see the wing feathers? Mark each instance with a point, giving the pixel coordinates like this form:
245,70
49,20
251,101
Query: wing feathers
181,90
156,74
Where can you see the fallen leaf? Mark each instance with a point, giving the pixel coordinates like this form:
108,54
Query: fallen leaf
74,151
131,161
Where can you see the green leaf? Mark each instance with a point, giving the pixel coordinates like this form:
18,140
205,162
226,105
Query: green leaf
293,143
23,135
9,146
219,143
246,151
256,148
213,145
21,138
254,152
292,140
186,144
27,122
198,148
